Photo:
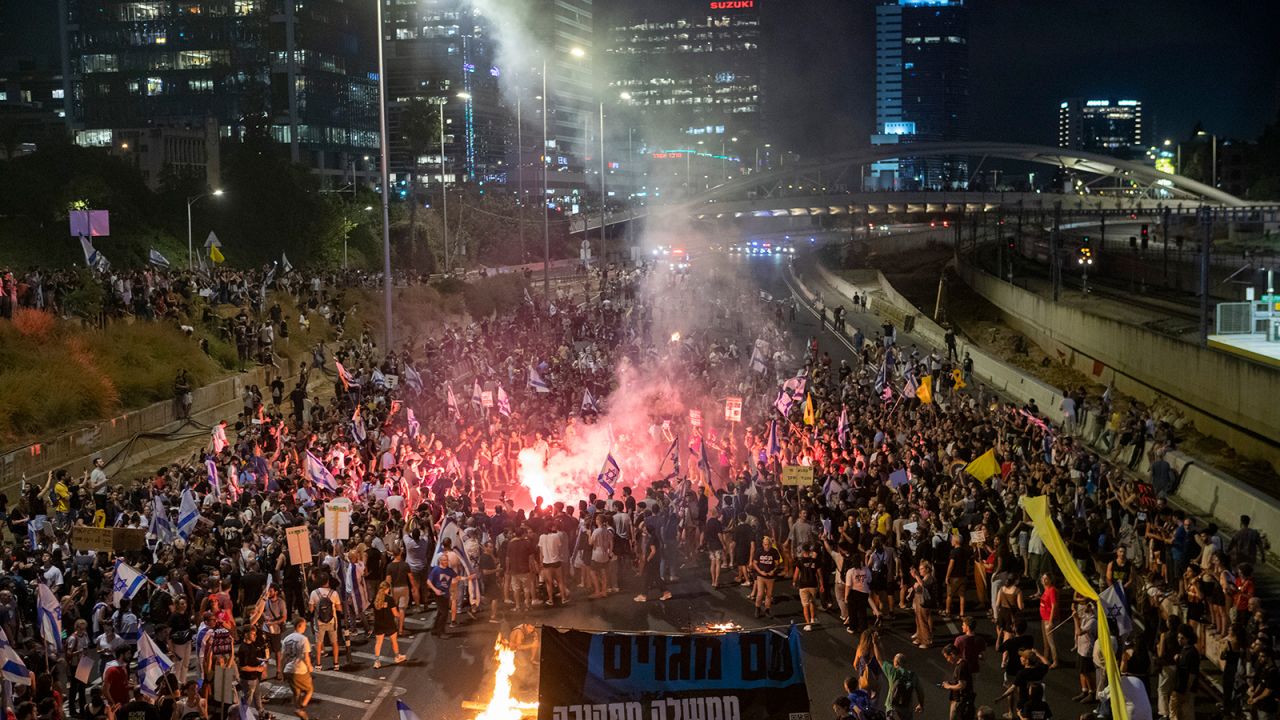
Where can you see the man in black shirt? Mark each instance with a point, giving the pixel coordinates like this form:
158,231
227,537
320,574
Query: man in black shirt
251,659
766,565
714,546
809,582
958,571
139,708
960,686
1182,703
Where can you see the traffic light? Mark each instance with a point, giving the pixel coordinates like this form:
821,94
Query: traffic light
1146,233
1086,255
1012,243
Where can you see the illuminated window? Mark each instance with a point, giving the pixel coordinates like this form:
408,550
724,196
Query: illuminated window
155,86
3,96
100,63
58,94
245,7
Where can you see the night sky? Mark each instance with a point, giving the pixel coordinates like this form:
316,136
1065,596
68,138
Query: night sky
1188,60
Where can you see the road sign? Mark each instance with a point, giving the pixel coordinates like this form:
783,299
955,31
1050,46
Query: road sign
797,475
733,409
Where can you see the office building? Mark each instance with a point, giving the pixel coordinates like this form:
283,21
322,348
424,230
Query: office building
443,50
689,77
922,90
302,73
1112,127
32,92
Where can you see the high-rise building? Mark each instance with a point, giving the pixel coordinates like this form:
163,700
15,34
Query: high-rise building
306,73
922,90
1113,127
443,50
689,77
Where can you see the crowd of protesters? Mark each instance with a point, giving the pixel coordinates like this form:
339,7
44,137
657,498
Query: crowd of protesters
894,534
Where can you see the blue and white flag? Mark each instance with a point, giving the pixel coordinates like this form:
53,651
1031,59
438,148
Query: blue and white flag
757,360
536,382
215,482
414,425
353,582
188,514
1113,601
412,378
93,259
909,390
672,456
783,402
245,711
319,474
161,525
882,381
12,668
771,446
795,387
842,427
155,258
358,432
378,379
589,402
450,530
405,712
49,612
152,666
609,473
477,394
504,402
284,262
126,583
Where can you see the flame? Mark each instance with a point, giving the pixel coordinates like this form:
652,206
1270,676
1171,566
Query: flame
502,706
724,627
675,337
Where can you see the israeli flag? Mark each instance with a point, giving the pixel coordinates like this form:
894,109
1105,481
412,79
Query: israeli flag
842,427
451,531
405,712
358,431
152,666
609,473
188,514
155,258
783,402
673,456
1113,602
536,382
49,612
319,474
284,262
245,711
215,481
93,259
589,402
378,379
476,392
412,378
414,425
504,402
11,666
451,401
126,583
161,525
757,360
772,446
353,581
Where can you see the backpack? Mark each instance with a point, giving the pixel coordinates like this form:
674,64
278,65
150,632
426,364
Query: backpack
324,609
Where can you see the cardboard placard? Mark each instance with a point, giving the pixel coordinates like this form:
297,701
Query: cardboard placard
128,539
337,519
695,418
733,409
299,543
797,475
84,537
486,399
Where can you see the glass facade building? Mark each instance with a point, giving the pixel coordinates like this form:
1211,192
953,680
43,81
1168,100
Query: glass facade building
443,50
1111,127
304,70
922,90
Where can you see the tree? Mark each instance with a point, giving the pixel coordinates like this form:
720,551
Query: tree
419,125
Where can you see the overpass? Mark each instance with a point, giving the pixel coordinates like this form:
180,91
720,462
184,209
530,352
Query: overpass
821,188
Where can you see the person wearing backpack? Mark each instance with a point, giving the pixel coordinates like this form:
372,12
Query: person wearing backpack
324,609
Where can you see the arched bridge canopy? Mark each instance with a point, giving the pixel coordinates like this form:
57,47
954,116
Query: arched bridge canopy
1075,160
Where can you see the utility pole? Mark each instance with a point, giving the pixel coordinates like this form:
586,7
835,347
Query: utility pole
520,199
1164,222
1054,240
1206,224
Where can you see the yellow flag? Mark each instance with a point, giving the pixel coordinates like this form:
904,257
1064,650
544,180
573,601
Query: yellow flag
1038,510
957,376
984,467
216,255
924,392
809,418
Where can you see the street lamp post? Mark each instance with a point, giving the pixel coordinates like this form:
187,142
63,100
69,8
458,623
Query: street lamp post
1213,157
603,197
546,214
386,191
192,201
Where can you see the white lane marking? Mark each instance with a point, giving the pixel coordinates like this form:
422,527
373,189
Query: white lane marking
349,676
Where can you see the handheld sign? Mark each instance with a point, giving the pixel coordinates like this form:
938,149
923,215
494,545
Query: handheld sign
797,475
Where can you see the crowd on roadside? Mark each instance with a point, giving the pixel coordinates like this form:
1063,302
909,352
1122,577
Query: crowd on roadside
248,576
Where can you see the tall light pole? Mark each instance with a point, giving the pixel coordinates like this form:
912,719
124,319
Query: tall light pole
384,142
444,186
520,199
1213,157
546,214
603,252
192,201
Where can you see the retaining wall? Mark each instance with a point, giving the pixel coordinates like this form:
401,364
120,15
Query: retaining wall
1226,396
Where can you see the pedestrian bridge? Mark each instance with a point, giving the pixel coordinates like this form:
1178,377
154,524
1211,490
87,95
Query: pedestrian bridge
832,186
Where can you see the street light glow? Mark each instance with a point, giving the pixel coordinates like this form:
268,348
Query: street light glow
624,95
464,96
217,193
578,52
